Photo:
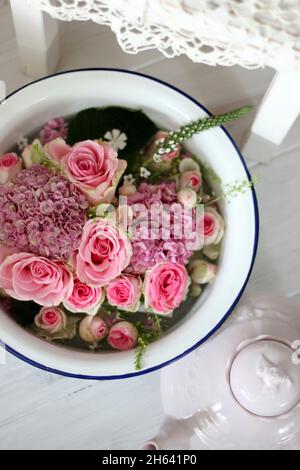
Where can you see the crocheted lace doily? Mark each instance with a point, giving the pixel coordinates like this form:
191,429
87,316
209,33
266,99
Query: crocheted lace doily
251,33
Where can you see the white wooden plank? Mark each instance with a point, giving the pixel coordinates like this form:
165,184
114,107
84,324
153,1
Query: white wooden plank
37,37
277,267
45,411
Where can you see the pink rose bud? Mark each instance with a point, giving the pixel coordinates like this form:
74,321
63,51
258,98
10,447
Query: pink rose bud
32,154
95,169
51,319
202,272
123,336
57,149
128,189
212,226
165,287
10,165
212,251
188,164
125,292
92,329
106,210
191,179
195,290
85,298
187,197
151,147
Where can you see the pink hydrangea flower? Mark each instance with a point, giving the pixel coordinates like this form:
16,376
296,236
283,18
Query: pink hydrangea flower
104,252
122,336
85,298
53,129
42,213
95,169
27,277
165,287
51,319
174,246
10,165
125,292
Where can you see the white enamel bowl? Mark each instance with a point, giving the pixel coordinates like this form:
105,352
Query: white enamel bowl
65,94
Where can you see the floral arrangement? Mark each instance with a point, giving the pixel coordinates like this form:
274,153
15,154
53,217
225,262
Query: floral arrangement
108,226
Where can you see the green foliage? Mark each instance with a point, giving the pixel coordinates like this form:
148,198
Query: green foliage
145,338
186,132
93,123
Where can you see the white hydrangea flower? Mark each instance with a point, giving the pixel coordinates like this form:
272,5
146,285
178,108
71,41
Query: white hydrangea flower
144,173
22,142
117,139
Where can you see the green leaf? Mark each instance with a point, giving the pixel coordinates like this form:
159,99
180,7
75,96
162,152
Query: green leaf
93,123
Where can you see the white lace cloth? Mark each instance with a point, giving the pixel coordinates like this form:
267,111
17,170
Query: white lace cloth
251,33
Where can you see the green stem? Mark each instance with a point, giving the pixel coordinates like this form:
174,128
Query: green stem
186,132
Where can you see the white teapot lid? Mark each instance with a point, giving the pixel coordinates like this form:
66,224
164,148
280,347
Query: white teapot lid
264,380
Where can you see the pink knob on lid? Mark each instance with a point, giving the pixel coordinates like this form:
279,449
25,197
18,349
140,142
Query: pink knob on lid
264,379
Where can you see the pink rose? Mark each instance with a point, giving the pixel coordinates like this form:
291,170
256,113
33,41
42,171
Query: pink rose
28,277
151,147
84,298
104,252
125,292
95,169
57,149
10,165
191,179
51,319
123,336
212,226
165,287
92,329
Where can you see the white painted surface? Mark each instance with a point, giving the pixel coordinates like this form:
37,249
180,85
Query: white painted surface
37,38
39,410
276,115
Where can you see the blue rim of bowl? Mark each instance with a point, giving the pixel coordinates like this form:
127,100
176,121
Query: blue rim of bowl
255,246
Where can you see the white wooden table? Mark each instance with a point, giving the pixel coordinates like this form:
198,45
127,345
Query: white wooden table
43,411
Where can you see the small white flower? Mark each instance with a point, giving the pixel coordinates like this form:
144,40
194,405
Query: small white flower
157,158
129,179
117,139
144,173
22,142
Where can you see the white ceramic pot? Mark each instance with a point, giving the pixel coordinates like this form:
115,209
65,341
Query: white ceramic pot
67,93
241,391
